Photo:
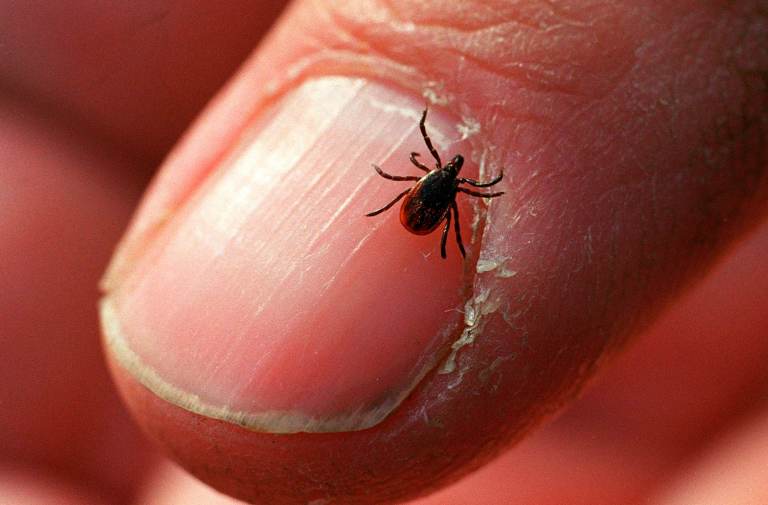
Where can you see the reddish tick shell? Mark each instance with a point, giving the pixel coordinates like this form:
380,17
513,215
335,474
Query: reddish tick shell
427,204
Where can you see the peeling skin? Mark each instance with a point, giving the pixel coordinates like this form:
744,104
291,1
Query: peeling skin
433,93
478,304
588,144
483,302
496,265
475,310
235,224
469,127
476,307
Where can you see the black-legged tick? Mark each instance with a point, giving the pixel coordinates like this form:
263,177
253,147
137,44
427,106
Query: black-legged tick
433,198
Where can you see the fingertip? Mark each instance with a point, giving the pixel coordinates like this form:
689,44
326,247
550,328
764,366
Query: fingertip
570,263
289,217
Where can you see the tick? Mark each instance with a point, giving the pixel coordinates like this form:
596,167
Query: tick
432,199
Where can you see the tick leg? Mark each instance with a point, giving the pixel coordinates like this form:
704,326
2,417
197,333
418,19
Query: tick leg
427,141
479,184
417,162
479,194
458,228
390,204
445,234
396,177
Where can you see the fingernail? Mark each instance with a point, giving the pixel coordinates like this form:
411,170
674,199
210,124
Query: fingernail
269,300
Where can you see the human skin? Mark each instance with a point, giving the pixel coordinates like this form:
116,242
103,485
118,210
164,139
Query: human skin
590,295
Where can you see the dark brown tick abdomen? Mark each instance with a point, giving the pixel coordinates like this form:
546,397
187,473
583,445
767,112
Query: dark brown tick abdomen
425,207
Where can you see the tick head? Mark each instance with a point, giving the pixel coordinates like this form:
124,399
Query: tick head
455,164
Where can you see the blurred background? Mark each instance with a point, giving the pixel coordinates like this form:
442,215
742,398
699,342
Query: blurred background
93,95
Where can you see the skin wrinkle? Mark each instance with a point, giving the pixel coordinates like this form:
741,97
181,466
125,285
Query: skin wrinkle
366,38
603,283
347,37
579,373
316,60
474,15
472,45
503,26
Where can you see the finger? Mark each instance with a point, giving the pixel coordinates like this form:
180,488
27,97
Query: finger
134,75
641,428
251,293
62,207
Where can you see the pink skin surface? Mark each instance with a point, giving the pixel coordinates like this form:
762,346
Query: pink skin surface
240,236
656,409
664,405
615,200
631,138
656,417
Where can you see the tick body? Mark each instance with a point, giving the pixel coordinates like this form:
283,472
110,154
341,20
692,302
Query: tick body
432,199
